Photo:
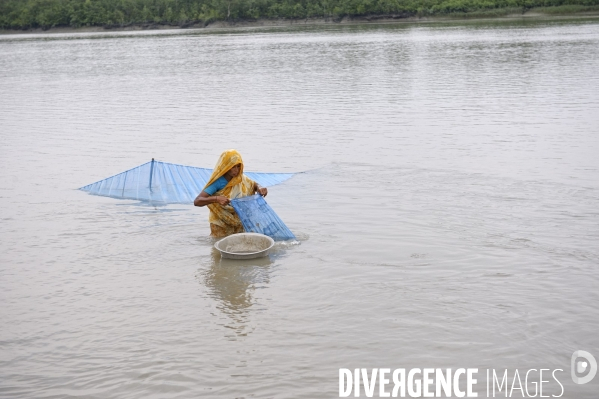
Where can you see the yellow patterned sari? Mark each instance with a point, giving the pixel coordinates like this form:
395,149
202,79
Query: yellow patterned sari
223,219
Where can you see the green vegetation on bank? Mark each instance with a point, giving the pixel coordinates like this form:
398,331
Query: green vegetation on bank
45,14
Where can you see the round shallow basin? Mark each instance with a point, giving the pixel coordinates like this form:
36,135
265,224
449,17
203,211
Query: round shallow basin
245,246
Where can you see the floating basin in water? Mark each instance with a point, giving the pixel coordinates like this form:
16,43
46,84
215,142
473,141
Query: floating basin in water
245,246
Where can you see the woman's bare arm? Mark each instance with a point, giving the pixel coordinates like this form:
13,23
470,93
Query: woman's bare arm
204,199
260,190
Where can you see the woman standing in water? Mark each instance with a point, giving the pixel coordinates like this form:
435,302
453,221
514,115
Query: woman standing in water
227,182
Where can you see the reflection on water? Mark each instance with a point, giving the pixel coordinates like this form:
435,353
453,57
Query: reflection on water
232,282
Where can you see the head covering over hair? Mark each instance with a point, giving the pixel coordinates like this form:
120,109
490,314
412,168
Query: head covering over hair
224,218
227,160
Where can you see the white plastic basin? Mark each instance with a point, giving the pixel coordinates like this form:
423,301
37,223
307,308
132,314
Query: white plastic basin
245,246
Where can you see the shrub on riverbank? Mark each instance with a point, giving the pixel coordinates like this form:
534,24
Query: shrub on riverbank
28,14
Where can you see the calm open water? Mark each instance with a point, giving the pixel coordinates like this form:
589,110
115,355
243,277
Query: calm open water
448,216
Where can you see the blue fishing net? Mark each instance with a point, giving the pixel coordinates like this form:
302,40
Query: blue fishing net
258,217
167,183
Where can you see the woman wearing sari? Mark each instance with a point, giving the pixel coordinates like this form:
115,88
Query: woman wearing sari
226,183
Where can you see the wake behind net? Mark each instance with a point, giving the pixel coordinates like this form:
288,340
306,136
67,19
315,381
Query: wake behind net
167,183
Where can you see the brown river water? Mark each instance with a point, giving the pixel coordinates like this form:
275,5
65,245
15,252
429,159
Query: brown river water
447,213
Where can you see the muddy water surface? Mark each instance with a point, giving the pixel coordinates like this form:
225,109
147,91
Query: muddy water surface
448,213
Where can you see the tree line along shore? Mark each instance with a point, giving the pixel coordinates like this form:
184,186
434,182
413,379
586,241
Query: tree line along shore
47,14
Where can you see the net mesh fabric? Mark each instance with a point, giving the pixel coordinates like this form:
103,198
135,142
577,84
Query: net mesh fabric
167,183
258,217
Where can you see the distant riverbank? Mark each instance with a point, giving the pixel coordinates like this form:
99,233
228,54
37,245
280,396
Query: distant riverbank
557,12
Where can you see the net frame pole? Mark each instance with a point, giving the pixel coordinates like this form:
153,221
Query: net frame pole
151,173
